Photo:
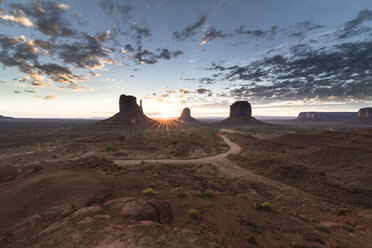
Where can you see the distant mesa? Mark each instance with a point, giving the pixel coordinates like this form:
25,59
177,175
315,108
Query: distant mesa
327,116
130,114
5,117
241,114
186,118
364,116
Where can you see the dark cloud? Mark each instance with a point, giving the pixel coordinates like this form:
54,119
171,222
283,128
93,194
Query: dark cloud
110,7
212,33
339,73
206,80
191,30
17,92
268,34
47,17
354,27
307,25
202,91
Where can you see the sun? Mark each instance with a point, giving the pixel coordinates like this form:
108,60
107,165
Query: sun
165,115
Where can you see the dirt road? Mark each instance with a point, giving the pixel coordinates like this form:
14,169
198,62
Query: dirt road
234,149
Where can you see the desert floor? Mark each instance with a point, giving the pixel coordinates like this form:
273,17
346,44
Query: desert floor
65,184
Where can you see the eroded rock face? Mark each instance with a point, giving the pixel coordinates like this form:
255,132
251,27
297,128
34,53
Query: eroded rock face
241,114
327,116
241,108
186,113
131,114
128,104
186,118
365,113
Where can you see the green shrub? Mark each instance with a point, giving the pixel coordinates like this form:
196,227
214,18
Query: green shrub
208,193
115,173
8,178
149,191
321,173
194,214
322,228
36,168
347,227
267,206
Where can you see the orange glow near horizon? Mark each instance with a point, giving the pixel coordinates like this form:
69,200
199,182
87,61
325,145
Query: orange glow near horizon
165,125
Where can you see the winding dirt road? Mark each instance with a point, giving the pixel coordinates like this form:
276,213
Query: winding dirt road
234,149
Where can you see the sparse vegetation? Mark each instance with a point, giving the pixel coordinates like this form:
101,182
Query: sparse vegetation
193,213
208,193
36,168
321,173
267,206
322,228
8,178
347,227
115,173
149,191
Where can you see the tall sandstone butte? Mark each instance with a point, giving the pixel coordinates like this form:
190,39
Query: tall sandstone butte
186,118
364,116
130,113
241,114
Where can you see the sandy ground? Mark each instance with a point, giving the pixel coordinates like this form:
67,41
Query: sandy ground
316,185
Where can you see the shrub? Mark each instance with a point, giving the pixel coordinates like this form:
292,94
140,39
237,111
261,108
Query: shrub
36,168
194,214
208,193
321,173
149,191
323,228
267,206
8,178
115,173
347,227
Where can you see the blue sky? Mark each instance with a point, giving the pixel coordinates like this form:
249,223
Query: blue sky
74,58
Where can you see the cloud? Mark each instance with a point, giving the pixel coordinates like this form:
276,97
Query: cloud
110,7
212,33
353,27
31,91
17,92
268,34
47,17
191,30
340,73
62,6
50,97
202,91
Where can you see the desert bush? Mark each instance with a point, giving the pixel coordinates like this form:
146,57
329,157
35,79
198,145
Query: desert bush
267,206
322,228
8,178
194,214
115,173
149,191
347,227
321,173
208,193
36,168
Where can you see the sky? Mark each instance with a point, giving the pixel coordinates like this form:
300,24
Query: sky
74,58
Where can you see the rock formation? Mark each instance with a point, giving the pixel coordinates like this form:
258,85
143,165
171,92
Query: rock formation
364,116
365,113
326,116
130,114
5,117
186,118
241,114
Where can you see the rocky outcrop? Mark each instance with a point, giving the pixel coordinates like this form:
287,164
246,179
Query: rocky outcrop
5,117
241,114
186,118
139,223
364,116
326,116
365,113
130,114
240,108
